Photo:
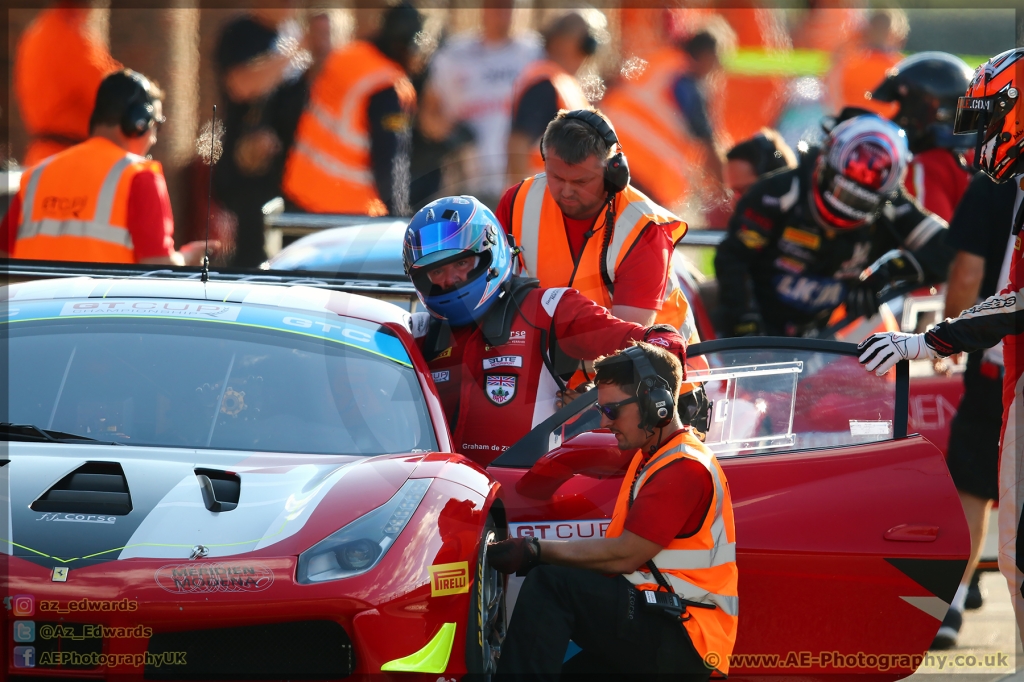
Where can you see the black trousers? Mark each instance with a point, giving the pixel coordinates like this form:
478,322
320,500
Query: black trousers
606,617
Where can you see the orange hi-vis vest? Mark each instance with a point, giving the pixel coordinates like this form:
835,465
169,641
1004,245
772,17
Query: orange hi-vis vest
329,169
664,158
75,204
539,228
700,568
567,89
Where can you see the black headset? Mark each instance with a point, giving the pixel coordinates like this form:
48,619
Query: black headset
655,400
616,168
139,115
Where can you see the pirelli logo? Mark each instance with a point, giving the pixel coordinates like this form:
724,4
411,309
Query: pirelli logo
448,579
806,239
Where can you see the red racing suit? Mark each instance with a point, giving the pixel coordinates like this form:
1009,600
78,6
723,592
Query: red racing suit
497,378
977,328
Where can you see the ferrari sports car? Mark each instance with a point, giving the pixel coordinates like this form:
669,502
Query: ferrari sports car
232,480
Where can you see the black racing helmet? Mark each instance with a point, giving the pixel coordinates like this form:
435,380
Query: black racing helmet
927,87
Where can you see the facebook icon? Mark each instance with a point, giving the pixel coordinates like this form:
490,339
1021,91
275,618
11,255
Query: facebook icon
24,657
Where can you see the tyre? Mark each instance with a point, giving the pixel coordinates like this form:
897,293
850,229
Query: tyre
486,628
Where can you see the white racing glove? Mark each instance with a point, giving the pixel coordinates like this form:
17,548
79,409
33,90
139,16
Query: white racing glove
879,352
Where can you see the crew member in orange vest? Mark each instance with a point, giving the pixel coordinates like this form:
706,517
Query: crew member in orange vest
57,70
858,69
673,609
580,224
352,145
549,85
662,119
102,200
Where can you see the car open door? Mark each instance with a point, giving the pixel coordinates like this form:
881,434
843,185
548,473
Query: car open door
850,536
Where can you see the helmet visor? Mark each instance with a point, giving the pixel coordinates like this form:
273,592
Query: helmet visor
969,113
846,198
442,240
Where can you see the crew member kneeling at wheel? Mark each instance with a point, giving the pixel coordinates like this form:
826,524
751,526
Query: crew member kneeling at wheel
675,614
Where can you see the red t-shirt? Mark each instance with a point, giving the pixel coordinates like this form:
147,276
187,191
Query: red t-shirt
938,180
642,276
150,220
672,503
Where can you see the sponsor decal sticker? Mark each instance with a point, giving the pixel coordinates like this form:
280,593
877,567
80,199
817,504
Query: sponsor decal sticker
560,530
810,293
441,376
751,239
150,308
802,237
60,574
214,577
789,265
448,579
77,518
446,353
503,361
500,388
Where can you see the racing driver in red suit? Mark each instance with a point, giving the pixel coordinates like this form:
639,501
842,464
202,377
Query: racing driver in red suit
498,344
992,108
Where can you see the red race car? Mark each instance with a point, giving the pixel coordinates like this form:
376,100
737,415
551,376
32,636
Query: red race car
247,481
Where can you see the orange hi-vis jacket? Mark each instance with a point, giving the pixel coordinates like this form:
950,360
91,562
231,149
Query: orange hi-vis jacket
329,169
700,568
567,88
664,158
58,69
855,73
75,204
539,228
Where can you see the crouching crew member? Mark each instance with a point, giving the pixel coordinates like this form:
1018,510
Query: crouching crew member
495,342
673,607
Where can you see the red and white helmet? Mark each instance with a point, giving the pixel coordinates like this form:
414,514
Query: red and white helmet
861,165
991,107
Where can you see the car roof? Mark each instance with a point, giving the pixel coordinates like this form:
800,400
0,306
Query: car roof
373,250
295,297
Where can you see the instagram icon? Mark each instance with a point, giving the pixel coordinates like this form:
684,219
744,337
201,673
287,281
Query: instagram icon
23,605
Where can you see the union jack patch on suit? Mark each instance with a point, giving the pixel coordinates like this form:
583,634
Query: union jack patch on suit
500,388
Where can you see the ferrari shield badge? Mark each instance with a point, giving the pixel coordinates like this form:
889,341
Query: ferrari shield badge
500,388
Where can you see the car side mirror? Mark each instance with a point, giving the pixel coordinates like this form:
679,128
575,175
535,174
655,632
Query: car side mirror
592,453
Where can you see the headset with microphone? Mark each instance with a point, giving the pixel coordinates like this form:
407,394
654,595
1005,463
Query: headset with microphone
655,400
616,178
616,168
139,115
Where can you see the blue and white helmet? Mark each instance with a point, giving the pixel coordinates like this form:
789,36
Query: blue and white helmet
445,231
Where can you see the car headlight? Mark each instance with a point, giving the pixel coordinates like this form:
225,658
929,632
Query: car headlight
359,546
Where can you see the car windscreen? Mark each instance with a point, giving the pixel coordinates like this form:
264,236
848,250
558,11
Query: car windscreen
168,373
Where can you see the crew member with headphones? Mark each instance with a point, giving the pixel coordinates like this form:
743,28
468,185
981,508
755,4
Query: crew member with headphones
673,607
548,85
102,200
581,224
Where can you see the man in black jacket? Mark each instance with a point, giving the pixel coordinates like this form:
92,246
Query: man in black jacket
800,239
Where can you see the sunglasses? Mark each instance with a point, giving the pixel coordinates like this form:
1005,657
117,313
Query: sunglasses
611,410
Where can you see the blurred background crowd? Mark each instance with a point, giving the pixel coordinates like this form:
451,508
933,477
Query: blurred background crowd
478,83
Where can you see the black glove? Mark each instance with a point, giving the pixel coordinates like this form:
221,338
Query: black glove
861,301
894,268
516,555
749,324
